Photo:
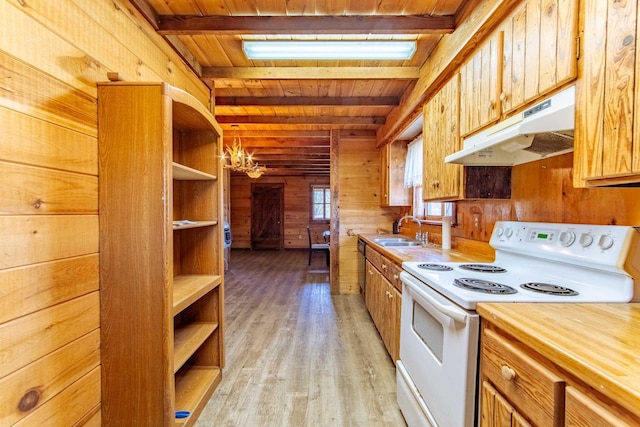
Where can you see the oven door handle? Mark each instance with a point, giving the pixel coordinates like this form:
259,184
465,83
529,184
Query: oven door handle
427,299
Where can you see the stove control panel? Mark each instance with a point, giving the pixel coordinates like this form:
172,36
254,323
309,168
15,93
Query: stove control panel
588,243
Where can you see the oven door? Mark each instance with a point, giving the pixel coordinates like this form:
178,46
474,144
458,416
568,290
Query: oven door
438,355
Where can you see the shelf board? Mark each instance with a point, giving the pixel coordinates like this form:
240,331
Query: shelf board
188,339
195,224
185,173
194,387
188,288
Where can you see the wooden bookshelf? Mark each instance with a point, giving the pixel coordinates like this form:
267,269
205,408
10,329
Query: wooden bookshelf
161,266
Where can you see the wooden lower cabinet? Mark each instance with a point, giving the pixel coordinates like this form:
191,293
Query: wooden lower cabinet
585,409
384,301
497,411
519,387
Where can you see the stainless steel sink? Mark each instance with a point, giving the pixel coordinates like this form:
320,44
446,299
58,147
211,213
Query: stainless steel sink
407,243
396,241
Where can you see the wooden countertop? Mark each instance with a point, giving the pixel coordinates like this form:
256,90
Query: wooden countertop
597,343
431,253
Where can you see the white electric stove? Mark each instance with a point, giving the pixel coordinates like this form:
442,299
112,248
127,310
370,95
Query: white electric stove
534,262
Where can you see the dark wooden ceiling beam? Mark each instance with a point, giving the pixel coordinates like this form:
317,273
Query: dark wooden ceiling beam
303,120
290,101
367,24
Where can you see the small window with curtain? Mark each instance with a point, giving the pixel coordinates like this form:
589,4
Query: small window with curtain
320,203
432,211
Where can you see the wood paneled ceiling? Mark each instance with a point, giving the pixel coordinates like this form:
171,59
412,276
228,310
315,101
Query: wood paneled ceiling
285,109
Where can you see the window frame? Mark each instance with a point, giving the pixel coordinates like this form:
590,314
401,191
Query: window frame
326,203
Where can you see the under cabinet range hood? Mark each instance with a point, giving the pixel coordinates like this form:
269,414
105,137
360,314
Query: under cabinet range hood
544,130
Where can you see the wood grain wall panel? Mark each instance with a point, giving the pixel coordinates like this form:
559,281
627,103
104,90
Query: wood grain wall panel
297,214
81,47
31,337
32,141
51,56
37,191
31,91
34,287
80,400
359,204
543,191
32,239
25,390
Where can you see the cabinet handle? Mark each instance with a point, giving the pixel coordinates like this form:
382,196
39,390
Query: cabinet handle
384,266
508,374
435,184
395,277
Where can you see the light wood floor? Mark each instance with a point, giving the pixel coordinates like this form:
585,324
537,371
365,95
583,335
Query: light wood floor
296,355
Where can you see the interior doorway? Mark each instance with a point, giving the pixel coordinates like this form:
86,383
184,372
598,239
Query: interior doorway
267,210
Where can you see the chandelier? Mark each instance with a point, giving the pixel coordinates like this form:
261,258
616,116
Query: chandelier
236,159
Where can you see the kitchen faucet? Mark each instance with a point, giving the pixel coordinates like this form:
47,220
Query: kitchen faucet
424,238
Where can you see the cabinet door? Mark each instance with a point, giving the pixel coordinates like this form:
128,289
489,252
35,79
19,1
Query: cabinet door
582,410
607,123
540,50
442,180
496,411
480,86
392,160
396,311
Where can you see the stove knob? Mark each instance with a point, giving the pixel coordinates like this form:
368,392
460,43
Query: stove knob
586,239
567,238
508,232
605,242
500,231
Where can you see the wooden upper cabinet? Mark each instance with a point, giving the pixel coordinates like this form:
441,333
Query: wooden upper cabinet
480,86
607,100
440,138
392,162
539,50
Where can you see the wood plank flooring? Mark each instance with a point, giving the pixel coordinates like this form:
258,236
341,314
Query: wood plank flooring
296,355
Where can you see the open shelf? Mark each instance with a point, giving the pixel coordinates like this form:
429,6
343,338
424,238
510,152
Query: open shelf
185,173
188,288
194,387
188,339
195,224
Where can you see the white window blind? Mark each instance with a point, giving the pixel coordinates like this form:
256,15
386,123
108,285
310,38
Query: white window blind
413,165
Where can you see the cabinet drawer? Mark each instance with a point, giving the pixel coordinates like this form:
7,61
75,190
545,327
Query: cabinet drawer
375,258
585,410
534,389
386,267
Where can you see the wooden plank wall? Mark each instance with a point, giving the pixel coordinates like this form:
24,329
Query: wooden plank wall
541,191
51,56
297,206
359,207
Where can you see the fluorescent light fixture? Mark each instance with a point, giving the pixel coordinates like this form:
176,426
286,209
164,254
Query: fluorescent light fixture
337,49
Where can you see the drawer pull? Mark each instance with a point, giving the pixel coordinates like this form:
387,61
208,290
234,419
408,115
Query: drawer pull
507,373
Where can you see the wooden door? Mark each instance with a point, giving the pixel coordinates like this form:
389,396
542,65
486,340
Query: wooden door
267,209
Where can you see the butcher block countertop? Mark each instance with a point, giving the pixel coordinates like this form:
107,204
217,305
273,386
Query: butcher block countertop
431,253
597,343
